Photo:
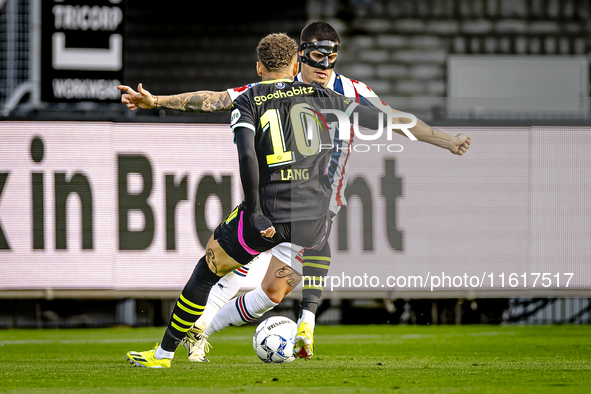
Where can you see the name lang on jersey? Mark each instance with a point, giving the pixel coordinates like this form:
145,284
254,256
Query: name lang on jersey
281,94
295,174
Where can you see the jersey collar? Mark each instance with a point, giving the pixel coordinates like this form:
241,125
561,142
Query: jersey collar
270,81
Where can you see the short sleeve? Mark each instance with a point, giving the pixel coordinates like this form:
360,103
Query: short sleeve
242,114
235,92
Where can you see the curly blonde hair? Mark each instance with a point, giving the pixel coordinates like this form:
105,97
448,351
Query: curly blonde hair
277,51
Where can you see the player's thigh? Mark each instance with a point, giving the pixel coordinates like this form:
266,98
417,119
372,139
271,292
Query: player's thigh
279,279
290,254
218,260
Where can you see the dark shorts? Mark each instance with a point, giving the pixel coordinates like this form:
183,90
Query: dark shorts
243,243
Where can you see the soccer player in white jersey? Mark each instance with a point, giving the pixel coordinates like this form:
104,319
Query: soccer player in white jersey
319,46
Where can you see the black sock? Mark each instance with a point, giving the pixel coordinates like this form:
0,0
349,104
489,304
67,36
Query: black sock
190,305
315,270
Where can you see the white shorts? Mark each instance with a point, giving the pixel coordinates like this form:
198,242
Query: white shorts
290,254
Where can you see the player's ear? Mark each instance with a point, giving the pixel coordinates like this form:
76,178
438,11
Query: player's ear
296,67
260,69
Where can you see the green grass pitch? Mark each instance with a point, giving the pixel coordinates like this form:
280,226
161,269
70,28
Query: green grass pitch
349,359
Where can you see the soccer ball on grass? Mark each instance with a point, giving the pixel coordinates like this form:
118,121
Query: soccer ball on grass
273,340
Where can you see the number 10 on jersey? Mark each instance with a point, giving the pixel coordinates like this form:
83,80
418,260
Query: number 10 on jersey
302,119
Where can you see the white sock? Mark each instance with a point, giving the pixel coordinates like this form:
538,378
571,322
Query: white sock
241,310
307,317
161,353
221,293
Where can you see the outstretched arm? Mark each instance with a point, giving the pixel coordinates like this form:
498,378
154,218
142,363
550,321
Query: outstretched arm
201,101
457,145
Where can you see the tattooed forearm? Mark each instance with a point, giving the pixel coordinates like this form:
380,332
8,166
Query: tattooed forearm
202,101
292,278
210,259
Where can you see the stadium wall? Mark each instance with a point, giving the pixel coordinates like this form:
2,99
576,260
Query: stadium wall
128,208
401,48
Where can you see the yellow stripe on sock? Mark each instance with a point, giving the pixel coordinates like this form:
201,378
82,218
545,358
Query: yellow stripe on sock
324,267
182,297
323,258
192,312
187,323
181,329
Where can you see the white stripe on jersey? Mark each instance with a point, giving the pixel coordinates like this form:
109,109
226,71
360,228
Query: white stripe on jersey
243,124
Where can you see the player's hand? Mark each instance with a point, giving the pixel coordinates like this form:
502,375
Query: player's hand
269,232
304,342
461,144
134,100
262,224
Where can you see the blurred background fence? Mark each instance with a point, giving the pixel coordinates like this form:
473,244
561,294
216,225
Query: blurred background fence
401,48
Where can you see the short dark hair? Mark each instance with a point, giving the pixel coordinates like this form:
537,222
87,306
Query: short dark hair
318,31
277,52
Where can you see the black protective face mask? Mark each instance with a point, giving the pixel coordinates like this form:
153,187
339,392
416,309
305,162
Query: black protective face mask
325,47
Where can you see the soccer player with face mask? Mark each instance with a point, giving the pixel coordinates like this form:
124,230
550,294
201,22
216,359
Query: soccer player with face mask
318,52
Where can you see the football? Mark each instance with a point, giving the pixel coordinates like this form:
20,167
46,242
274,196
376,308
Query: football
273,340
